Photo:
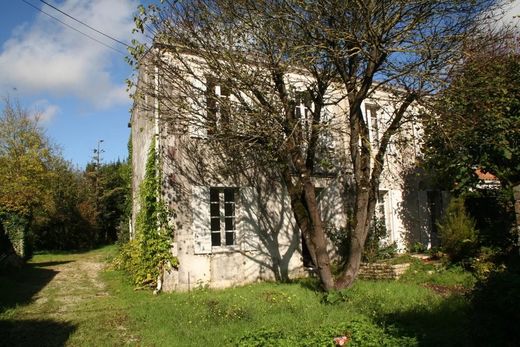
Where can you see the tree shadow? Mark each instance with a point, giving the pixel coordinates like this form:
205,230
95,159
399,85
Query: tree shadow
19,286
272,238
447,324
34,332
51,263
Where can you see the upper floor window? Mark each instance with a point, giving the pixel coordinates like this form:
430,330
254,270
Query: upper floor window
304,109
371,116
218,104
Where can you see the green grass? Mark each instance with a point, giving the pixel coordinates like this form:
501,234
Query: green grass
391,313
41,307
402,311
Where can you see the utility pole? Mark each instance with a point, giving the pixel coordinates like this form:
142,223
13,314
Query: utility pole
97,154
97,160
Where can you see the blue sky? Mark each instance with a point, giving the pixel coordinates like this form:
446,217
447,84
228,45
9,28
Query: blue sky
75,84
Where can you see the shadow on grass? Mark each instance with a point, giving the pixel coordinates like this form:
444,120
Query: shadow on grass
34,332
50,263
18,286
447,324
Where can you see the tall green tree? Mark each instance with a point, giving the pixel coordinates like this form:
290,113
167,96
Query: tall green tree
114,192
25,160
476,121
70,225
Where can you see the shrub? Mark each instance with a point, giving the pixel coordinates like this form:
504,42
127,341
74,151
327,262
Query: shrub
374,248
496,308
418,247
457,231
486,262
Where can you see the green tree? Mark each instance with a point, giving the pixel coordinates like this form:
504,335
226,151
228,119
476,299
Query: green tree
25,160
476,122
114,194
70,225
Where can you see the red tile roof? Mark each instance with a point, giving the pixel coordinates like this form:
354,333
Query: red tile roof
485,176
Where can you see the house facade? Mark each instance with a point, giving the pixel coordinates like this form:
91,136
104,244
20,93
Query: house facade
232,221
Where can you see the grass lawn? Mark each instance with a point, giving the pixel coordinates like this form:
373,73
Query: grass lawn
417,310
60,299
425,308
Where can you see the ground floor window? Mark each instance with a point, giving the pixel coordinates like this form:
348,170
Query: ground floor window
223,217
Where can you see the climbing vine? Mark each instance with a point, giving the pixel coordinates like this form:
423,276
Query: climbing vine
149,253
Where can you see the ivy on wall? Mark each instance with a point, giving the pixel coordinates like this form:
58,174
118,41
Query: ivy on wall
149,252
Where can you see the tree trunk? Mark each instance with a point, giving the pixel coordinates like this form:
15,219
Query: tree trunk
317,237
357,240
308,219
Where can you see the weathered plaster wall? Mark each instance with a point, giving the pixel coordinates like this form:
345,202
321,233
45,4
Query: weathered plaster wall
142,131
268,241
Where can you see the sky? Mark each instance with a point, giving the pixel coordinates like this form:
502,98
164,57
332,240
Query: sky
76,85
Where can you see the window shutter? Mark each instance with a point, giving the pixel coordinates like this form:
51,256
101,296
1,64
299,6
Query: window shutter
328,135
249,215
201,220
197,122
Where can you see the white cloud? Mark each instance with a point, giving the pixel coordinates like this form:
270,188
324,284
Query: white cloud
47,57
44,112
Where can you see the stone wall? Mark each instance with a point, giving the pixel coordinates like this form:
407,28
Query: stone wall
382,271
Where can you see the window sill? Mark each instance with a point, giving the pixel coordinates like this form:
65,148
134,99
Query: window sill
224,249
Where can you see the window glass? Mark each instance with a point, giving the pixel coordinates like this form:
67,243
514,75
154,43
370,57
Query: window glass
222,210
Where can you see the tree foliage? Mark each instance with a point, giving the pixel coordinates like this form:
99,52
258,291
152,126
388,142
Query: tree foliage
25,159
46,203
341,51
477,119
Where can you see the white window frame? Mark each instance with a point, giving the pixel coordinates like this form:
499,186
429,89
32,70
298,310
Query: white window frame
223,218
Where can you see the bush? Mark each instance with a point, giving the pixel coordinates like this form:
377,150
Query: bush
496,308
374,248
457,231
486,262
418,247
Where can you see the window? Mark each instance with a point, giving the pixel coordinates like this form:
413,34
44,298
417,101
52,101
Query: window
223,218
304,108
371,111
217,103
382,223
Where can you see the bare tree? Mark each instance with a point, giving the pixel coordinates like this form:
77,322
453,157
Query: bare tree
280,65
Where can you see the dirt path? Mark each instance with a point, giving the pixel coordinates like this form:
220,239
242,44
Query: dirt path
67,303
76,283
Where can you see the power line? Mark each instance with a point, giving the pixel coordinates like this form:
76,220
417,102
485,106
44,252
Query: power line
85,24
79,31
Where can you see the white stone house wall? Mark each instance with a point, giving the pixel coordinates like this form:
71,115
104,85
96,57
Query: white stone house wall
267,241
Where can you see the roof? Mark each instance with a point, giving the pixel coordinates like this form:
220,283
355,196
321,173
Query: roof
485,176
